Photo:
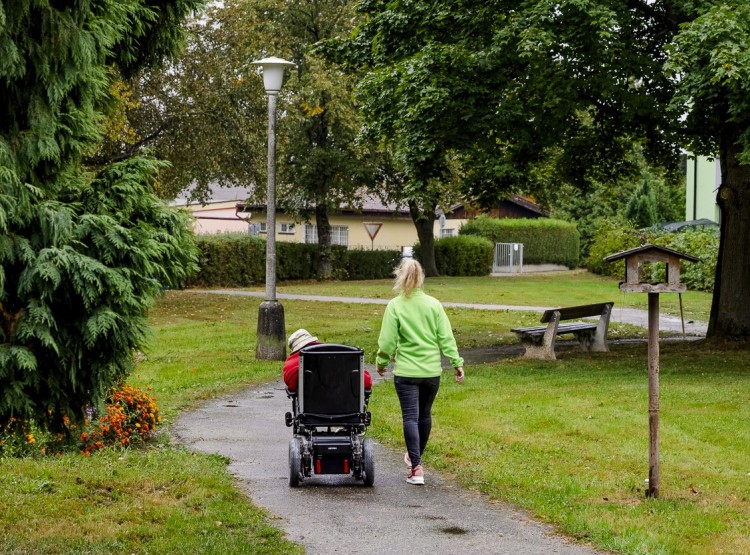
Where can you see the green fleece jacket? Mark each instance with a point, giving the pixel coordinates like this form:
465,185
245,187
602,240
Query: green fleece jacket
416,329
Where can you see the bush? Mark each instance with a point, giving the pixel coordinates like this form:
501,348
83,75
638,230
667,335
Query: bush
545,241
463,256
238,260
131,416
617,235
363,264
611,236
230,260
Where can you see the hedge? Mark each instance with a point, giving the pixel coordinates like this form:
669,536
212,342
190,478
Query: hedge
463,256
545,241
239,260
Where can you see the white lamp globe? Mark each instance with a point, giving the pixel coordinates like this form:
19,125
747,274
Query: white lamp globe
273,73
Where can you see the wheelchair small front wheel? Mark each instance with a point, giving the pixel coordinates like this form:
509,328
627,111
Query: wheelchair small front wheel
295,462
368,463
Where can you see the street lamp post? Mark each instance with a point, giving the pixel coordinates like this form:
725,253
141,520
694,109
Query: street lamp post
271,335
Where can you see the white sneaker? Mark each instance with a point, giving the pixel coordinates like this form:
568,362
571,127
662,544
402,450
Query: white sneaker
416,476
407,459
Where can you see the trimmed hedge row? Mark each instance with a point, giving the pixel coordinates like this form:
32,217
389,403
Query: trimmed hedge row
461,256
545,241
238,260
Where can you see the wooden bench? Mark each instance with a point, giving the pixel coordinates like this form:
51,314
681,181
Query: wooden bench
592,336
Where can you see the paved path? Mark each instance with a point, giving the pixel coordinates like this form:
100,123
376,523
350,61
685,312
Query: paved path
619,314
336,514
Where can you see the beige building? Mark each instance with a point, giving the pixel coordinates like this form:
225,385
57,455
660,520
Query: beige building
373,226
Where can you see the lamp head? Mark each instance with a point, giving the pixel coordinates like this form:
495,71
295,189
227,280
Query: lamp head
273,72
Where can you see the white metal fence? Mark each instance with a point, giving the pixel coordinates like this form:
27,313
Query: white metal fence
508,258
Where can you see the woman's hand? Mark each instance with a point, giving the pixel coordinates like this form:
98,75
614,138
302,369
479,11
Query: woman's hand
381,371
459,375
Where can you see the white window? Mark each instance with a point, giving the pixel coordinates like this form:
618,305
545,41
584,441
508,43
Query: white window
262,227
286,228
447,232
311,233
339,234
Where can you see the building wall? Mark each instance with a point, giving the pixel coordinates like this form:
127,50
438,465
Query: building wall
703,179
396,231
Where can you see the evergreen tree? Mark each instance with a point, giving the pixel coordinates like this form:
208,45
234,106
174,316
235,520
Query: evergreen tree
83,250
641,208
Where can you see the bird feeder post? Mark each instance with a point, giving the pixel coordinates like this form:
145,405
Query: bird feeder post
635,260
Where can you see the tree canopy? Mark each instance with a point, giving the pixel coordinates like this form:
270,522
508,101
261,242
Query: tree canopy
207,114
505,85
83,249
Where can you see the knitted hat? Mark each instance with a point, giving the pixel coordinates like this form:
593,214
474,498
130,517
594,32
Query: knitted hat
299,339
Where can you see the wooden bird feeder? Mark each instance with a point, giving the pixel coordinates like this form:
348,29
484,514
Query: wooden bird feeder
635,262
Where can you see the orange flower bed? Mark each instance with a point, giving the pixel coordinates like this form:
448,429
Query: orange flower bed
131,416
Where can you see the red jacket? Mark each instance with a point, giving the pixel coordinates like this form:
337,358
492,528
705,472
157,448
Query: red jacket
291,372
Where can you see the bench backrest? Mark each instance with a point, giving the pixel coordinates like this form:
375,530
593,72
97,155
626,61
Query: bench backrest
331,379
574,312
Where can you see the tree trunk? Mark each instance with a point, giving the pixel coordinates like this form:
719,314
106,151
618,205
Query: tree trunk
424,221
325,266
730,310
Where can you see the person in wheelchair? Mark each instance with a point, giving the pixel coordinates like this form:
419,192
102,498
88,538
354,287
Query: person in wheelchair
329,389
299,339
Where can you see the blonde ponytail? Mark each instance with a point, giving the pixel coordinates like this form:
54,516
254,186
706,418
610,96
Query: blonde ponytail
409,276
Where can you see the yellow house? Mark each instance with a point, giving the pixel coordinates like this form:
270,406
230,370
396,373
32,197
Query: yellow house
373,226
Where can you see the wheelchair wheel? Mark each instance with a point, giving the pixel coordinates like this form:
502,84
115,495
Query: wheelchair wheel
369,461
295,462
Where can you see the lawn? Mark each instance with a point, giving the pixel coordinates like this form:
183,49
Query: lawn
565,440
549,289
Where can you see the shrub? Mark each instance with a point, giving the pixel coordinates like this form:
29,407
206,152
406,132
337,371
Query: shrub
618,235
611,236
363,264
238,260
130,418
463,256
545,241
230,260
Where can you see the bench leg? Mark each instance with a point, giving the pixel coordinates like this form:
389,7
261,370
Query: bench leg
543,347
599,341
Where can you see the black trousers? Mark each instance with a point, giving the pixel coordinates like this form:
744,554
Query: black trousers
416,396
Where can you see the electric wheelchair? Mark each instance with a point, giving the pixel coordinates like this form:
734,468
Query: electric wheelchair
329,416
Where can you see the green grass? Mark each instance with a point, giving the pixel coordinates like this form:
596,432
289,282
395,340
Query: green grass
158,500
568,441
567,288
565,440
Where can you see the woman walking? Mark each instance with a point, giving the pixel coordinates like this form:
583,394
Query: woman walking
416,329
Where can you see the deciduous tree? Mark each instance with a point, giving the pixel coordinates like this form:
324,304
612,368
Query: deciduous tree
504,83
207,114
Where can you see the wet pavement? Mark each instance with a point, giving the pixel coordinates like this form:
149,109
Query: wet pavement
337,514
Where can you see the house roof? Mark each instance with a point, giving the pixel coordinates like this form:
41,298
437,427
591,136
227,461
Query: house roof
218,195
369,204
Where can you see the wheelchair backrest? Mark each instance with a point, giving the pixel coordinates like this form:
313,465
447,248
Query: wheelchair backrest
331,379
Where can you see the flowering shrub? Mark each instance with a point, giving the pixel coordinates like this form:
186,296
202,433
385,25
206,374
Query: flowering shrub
20,437
17,439
130,416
